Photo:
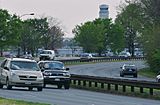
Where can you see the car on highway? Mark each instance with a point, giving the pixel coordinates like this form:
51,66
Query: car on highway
55,73
20,72
86,56
47,55
128,69
158,77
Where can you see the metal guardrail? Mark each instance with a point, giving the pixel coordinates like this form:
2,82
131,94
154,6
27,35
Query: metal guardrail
93,81
104,59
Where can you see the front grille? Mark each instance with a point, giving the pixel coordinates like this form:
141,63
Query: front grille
56,74
28,78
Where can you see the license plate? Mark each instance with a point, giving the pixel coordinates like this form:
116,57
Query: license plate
130,70
57,79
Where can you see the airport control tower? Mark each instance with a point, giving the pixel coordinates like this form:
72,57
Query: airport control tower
103,13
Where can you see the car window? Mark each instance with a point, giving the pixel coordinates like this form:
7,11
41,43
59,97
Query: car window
23,65
3,63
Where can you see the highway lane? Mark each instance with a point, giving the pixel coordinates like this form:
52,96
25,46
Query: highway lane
108,69
55,96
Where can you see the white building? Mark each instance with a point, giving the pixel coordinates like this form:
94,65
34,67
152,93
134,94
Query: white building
103,13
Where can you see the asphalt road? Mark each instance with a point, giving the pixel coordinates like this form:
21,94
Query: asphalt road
55,96
108,69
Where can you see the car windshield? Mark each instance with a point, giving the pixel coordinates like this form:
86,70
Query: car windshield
54,65
130,67
24,65
45,52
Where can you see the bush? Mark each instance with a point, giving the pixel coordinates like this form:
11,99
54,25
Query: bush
154,60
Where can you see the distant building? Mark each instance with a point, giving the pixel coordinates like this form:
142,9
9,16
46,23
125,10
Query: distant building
103,13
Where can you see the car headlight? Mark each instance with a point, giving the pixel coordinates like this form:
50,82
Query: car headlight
40,76
66,74
46,74
13,74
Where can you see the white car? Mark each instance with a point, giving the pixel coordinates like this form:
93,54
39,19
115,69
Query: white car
124,54
158,78
47,55
20,72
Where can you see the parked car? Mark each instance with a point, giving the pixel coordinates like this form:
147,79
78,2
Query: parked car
128,69
47,55
124,54
55,73
20,72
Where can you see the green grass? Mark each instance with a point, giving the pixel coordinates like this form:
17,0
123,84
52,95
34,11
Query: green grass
1,58
4,101
147,73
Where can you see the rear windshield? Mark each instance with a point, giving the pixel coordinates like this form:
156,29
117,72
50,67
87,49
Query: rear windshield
24,65
130,67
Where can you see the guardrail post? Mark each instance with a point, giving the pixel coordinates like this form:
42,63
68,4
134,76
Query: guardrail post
124,88
90,84
95,84
109,86
116,87
102,85
132,88
141,89
151,91
79,82
84,83
74,82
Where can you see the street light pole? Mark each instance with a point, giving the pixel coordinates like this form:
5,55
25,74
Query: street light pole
26,14
18,55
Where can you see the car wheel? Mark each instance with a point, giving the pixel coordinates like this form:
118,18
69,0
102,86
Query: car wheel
7,84
121,75
1,86
135,75
59,86
30,88
44,85
67,86
39,88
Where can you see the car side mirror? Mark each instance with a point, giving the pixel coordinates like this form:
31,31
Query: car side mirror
67,69
6,68
42,70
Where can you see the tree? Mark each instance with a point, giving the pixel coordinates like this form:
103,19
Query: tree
129,18
55,33
98,35
89,37
9,29
145,21
34,34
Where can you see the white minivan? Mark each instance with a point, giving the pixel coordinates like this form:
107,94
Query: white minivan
47,55
20,72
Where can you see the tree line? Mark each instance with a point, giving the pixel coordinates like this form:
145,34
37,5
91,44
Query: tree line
29,35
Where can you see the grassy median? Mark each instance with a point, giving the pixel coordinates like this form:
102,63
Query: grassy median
4,101
147,73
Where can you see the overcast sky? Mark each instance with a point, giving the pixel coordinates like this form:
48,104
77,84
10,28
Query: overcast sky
68,12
